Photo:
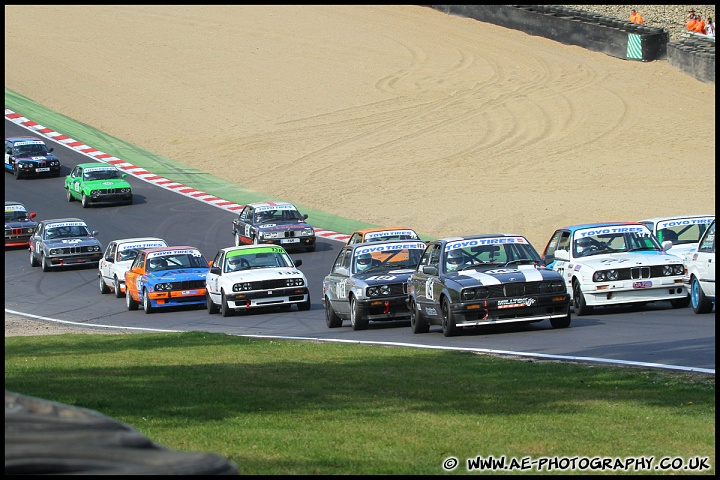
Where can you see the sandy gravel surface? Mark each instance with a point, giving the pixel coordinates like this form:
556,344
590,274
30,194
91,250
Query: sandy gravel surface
383,114
17,326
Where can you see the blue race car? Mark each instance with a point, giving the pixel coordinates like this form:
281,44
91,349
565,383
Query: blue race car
29,157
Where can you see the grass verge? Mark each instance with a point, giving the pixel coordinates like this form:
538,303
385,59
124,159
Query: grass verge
298,407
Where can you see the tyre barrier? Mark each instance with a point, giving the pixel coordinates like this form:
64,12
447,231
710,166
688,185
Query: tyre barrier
694,56
600,33
44,437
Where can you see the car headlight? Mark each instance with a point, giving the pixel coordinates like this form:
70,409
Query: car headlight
294,282
124,190
373,291
22,165
473,293
307,232
93,248
95,193
163,287
55,163
672,270
605,275
55,251
240,287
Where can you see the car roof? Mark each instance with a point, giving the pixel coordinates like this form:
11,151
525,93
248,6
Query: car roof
10,202
598,224
91,165
355,246
170,248
676,217
248,247
484,235
138,239
62,220
22,139
363,231
270,204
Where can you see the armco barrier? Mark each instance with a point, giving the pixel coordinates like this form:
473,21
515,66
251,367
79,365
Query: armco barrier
613,36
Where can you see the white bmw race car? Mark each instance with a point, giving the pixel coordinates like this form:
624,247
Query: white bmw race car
118,257
683,232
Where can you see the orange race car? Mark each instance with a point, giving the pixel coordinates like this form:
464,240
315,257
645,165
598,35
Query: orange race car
383,234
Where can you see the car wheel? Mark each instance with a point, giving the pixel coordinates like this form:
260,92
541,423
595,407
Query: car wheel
68,195
118,290
131,303
33,260
237,239
418,323
45,264
304,306
225,311
356,320
103,287
581,308
85,202
449,327
211,307
17,174
147,306
331,318
681,302
700,303
255,241
560,322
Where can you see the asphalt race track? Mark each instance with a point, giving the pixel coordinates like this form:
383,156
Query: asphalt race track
655,335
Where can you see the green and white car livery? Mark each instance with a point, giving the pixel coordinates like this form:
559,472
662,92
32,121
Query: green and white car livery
98,184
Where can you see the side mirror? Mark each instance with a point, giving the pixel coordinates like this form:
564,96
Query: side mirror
429,270
50,149
95,233
215,270
562,255
667,245
305,216
33,215
123,176
298,262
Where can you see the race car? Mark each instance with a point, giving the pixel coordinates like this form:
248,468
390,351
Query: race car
382,234
367,282
483,280
29,157
98,184
62,242
613,264
117,259
699,274
251,277
277,223
681,232
19,224
166,277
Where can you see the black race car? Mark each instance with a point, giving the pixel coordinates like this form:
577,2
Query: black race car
277,223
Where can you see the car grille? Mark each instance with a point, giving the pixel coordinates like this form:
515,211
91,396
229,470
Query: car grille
188,285
513,289
18,231
75,250
637,273
269,284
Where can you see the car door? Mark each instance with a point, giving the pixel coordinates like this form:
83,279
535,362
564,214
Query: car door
706,261
133,275
74,182
214,276
107,262
337,283
8,155
426,278
243,225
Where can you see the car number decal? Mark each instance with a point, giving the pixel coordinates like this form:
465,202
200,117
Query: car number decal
382,277
340,289
429,289
645,284
77,187
247,231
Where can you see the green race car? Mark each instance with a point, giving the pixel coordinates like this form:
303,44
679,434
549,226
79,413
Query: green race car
98,184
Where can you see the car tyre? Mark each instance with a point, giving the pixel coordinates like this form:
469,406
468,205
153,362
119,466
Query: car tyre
304,306
85,202
147,306
331,318
131,303
33,260
449,328
211,307
118,290
256,241
17,174
681,302
225,311
700,303
418,323
103,286
560,322
68,195
581,308
356,319
237,239
45,264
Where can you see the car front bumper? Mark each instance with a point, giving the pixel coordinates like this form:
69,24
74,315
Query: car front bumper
65,260
267,298
384,308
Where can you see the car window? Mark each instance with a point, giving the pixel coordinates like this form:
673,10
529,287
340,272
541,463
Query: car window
15,212
708,242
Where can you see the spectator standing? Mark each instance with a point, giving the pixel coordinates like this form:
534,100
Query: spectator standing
710,28
635,17
690,24
699,25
